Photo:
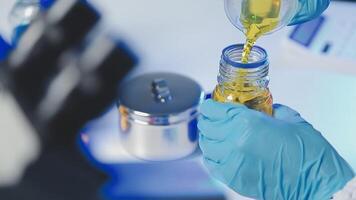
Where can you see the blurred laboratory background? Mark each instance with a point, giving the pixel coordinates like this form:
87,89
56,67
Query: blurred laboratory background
312,69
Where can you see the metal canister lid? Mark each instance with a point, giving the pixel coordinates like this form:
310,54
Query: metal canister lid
160,94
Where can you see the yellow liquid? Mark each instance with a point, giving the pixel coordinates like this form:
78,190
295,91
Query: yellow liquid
256,98
258,17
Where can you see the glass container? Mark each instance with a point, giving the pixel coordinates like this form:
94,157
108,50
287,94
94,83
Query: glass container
245,83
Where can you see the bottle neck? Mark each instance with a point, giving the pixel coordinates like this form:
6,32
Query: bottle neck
253,73
23,12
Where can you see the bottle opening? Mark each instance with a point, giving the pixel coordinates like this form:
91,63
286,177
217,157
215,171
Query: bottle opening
233,54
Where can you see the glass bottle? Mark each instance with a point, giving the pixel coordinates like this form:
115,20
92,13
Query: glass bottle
245,83
22,14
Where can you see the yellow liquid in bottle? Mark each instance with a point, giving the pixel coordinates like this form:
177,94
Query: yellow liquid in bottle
258,17
253,97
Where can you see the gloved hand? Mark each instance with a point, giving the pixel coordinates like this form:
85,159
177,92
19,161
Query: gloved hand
269,158
308,10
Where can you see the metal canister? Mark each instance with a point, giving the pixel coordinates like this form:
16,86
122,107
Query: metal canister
158,116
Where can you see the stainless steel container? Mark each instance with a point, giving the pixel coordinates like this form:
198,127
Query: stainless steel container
158,116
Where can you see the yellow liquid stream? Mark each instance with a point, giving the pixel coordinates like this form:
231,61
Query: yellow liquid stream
258,17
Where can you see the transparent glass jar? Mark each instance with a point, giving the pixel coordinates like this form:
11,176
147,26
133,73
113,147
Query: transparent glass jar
22,14
269,15
245,83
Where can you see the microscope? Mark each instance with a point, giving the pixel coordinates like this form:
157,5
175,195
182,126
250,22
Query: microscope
62,74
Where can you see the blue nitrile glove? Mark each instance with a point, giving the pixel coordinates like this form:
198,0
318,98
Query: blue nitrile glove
308,10
269,158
